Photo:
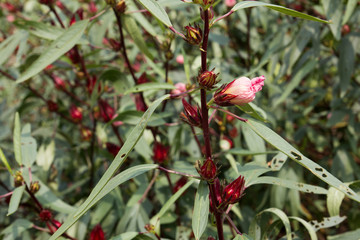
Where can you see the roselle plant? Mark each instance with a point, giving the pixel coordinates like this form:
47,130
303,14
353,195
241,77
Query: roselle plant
161,113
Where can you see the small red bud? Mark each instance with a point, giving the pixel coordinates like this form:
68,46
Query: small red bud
106,111
150,228
53,107
208,170
234,191
74,56
115,44
161,153
97,233
191,115
59,82
45,215
86,134
76,113
18,179
120,6
92,7
207,79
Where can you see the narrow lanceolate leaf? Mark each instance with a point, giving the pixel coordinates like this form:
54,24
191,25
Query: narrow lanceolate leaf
255,230
15,199
243,236
56,49
333,201
97,192
250,109
171,201
281,9
135,33
8,46
28,146
327,222
308,227
17,139
149,86
4,160
156,10
290,184
201,210
285,147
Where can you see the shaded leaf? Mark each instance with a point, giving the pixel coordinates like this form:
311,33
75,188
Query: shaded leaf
156,10
201,210
15,199
149,86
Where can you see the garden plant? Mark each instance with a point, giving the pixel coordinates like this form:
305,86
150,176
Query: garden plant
179,119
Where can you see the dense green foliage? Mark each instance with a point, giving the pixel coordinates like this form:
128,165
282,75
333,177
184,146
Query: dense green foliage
93,130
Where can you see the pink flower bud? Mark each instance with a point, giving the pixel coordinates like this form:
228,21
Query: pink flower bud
180,88
180,59
230,3
97,233
59,82
238,92
92,7
234,191
45,215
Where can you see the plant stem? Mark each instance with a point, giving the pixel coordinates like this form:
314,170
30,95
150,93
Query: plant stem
232,224
149,187
178,173
205,124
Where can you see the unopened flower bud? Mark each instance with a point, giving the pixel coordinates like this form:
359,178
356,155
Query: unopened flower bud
18,179
86,134
193,35
120,6
234,191
208,170
179,89
97,233
161,153
230,3
208,79
59,82
211,13
115,44
46,2
34,187
52,106
191,115
169,55
238,92
150,228
76,113
106,111
45,215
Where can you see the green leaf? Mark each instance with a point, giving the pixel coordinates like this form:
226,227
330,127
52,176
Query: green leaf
308,227
133,30
15,199
140,18
284,10
346,236
125,236
102,186
4,160
290,184
255,230
149,86
350,7
243,236
17,227
333,201
334,11
156,10
171,201
250,109
346,63
17,139
327,222
56,49
28,146
295,81
279,143
8,46
201,210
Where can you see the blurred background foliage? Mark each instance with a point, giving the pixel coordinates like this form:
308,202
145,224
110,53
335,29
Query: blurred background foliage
311,98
